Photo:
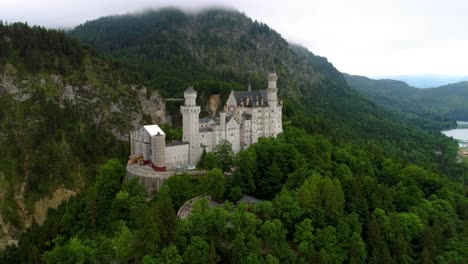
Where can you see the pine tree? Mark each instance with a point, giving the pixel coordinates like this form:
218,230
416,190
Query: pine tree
165,215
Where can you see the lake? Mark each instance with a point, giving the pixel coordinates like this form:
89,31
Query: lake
460,133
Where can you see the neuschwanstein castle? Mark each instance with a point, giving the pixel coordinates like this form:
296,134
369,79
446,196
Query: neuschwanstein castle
247,116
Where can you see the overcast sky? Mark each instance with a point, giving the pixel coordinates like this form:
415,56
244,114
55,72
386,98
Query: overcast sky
366,37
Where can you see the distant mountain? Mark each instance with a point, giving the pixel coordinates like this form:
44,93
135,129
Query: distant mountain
426,81
420,105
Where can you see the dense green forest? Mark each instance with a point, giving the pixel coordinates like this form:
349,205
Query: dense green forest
321,204
347,181
431,108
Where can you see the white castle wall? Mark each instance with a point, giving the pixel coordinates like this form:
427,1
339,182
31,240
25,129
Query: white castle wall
177,155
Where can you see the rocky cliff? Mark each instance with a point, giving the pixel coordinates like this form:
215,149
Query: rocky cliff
59,122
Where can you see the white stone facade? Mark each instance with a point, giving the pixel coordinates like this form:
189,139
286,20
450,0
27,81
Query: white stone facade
247,116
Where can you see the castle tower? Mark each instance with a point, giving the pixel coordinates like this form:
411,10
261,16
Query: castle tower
159,151
132,143
190,119
272,90
222,124
274,113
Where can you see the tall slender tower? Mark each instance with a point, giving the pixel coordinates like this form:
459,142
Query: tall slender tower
222,124
274,113
190,118
159,151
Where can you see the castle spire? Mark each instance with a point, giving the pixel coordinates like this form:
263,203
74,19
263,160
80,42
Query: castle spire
249,88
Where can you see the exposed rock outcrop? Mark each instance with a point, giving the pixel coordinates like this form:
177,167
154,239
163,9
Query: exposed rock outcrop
117,109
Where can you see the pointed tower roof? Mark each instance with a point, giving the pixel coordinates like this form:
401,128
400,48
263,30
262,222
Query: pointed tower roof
190,90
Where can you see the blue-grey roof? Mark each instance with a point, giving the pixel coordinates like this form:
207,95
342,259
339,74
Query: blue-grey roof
241,96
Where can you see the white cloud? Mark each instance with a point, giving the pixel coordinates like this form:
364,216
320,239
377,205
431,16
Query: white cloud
368,37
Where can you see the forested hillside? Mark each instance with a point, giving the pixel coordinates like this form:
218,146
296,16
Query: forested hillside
432,108
347,181
222,48
63,111
322,204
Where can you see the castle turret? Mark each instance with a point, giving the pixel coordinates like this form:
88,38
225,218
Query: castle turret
222,124
190,96
274,121
159,151
132,143
190,119
272,90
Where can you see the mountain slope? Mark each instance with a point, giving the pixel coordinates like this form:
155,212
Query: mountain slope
173,50
436,104
225,49
63,111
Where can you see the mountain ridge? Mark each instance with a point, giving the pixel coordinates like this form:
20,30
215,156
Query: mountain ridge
447,101
425,81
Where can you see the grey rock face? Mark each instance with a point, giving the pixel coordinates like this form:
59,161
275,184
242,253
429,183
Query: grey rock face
117,114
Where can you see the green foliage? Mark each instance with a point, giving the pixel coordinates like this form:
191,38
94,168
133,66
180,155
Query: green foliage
123,242
321,197
197,251
357,249
244,175
274,238
235,194
209,161
184,187
224,154
108,183
165,215
37,49
169,255
72,252
215,184
172,134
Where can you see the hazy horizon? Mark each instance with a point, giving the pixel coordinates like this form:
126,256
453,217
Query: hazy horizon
389,38
424,80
